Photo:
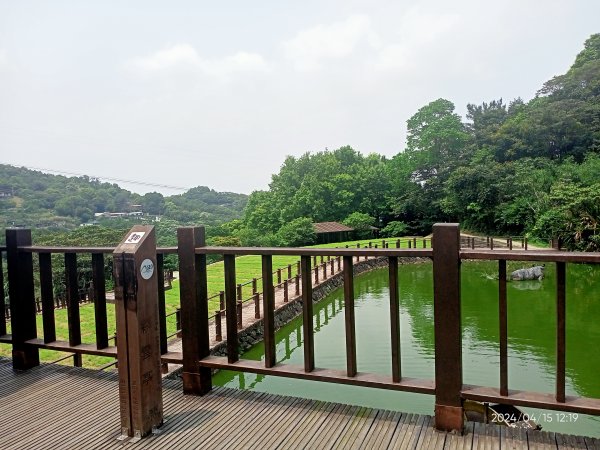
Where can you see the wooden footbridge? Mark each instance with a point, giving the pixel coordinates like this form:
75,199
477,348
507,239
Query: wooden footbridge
51,406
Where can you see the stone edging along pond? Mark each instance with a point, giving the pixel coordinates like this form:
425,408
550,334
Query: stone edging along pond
253,334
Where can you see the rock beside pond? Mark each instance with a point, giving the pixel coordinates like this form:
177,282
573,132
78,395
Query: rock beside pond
532,273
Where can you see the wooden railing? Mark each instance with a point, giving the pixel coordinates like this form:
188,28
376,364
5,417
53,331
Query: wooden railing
447,386
23,337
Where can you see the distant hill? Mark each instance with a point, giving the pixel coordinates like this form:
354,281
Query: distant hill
35,199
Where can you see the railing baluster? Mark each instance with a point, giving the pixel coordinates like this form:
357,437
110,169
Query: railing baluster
231,309
502,319
307,315
99,293
268,310
560,330
349,317
162,311
47,293
73,303
2,305
395,318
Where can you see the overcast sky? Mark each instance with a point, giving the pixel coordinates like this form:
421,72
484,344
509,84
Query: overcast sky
187,93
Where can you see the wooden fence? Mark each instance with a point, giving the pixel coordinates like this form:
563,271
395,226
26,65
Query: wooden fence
447,254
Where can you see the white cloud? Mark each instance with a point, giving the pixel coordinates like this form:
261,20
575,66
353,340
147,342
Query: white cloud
418,31
4,64
338,40
185,57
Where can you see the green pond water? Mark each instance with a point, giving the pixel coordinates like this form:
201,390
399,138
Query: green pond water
531,331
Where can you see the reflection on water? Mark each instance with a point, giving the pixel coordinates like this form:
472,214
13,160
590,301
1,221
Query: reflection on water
531,330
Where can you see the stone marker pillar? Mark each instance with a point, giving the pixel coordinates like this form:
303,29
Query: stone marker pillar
138,349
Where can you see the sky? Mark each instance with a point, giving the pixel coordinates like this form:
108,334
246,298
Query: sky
185,93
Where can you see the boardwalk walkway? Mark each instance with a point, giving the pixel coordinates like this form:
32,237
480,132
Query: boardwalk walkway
56,407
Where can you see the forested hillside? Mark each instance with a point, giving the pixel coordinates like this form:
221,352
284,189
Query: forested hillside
510,168
40,200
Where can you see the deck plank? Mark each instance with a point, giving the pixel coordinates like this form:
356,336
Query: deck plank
486,437
57,407
541,440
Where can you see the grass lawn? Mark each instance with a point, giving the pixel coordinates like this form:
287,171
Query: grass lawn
247,268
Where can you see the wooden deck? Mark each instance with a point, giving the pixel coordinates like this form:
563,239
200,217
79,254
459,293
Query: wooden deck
58,407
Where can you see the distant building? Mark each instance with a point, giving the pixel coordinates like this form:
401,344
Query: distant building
6,192
331,232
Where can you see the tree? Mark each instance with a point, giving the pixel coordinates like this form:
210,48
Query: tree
394,229
361,223
436,139
298,232
153,203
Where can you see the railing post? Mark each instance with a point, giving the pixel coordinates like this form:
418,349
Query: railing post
239,312
447,327
178,322
218,327
138,352
256,306
195,343
22,299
